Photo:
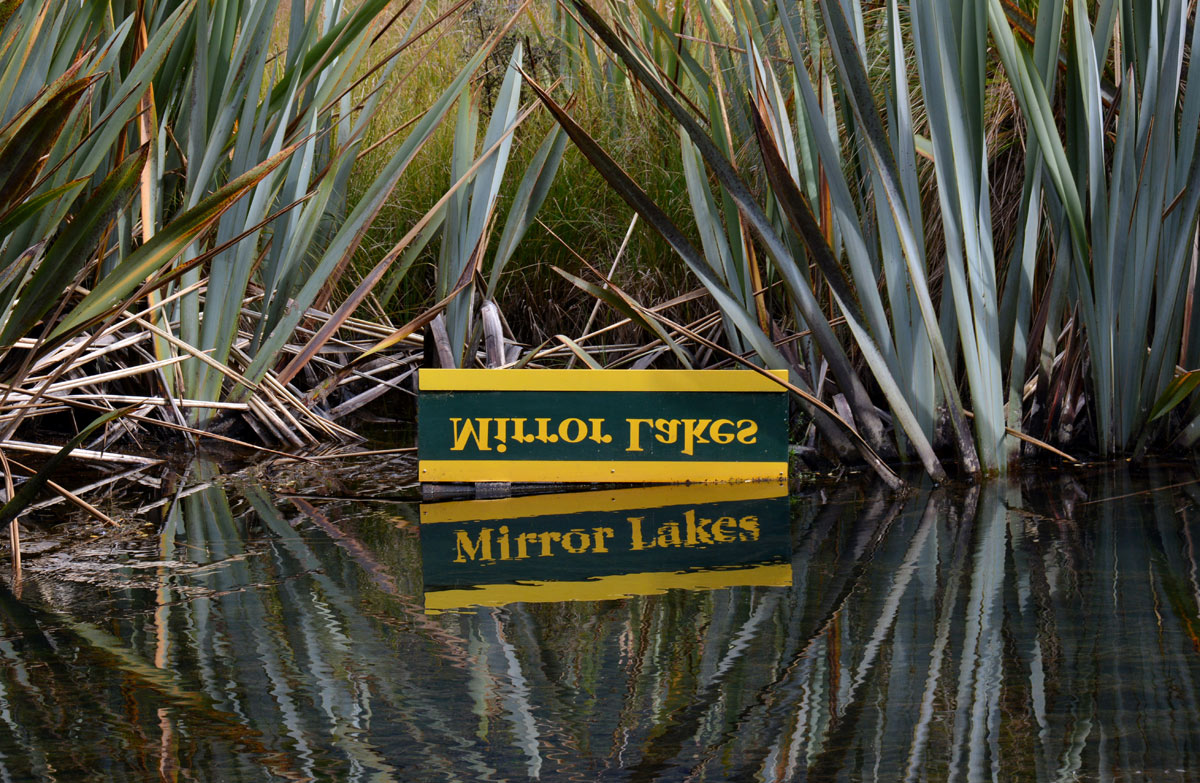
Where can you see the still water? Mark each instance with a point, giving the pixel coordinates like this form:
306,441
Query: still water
1042,629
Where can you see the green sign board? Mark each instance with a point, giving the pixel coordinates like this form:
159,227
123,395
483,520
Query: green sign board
606,544
601,426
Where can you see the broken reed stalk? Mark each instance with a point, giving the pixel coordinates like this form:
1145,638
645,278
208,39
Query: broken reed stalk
14,532
611,270
71,497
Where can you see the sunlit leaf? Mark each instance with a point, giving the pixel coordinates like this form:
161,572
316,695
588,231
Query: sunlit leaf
1177,392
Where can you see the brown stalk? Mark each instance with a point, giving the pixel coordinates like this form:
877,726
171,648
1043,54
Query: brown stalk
397,50
1032,441
72,498
611,270
14,532
77,403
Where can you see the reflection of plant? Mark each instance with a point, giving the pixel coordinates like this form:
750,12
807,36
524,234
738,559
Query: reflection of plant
929,637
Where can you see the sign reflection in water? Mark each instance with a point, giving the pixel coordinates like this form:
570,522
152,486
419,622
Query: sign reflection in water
1042,630
588,546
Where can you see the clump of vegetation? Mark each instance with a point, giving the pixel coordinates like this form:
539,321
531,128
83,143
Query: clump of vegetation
838,215
175,221
175,213
968,231
580,216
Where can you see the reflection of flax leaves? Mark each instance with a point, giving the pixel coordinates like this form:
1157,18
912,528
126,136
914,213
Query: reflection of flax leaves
376,570
219,722
869,530
455,647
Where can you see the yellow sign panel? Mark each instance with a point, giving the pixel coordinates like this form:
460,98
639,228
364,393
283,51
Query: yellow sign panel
619,426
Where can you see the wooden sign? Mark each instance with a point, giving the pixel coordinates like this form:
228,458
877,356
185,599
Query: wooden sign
591,546
601,426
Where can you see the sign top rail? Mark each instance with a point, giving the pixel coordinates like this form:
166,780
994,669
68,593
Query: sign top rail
599,380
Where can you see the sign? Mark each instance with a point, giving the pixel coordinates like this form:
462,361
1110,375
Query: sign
591,546
601,426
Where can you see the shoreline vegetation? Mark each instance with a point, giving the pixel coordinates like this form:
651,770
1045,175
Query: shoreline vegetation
969,231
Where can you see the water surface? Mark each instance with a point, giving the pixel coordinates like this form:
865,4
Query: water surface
1041,629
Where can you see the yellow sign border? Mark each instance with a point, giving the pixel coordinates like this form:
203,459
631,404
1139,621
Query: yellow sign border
543,471
465,380
558,503
608,587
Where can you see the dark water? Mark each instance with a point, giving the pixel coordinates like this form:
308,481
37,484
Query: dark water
1042,629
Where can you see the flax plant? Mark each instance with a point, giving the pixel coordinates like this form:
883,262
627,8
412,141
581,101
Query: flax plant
1125,179
806,155
470,211
790,210
174,201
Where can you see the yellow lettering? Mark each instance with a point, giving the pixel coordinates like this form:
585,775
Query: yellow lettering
503,541
696,534
481,548
718,529
749,526
546,538
747,429
501,435
597,435
576,542
468,431
519,431
668,430
636,542
635,433
598,536
564,430
668,535
693,432
523,543
717,433
543,432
